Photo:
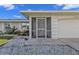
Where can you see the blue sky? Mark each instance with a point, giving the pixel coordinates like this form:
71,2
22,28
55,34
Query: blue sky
11,11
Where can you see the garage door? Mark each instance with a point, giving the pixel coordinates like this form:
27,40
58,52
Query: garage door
69,28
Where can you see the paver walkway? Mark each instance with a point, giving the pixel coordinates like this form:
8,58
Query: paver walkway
20,46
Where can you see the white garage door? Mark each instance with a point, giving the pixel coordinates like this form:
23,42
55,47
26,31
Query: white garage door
69,28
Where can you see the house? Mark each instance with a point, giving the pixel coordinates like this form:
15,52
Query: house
53,24
6,24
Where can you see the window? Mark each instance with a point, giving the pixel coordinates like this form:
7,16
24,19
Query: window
33,27
7,26
48,27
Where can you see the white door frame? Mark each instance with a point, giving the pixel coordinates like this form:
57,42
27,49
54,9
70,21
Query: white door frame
30,30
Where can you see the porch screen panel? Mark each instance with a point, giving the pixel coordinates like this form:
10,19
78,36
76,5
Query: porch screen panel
41,23
41,28
33,27
48,27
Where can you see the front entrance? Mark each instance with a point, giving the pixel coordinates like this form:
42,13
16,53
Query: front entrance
41,27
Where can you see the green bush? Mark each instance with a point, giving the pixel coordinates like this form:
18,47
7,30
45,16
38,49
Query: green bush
6,37
1,33
24,33
18,32
12,31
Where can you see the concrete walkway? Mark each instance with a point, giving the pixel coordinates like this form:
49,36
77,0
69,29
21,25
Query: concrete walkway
20,46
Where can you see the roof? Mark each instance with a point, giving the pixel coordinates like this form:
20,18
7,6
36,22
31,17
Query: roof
47,11
51,12
12,20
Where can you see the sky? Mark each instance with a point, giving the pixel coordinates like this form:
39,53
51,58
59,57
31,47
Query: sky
12,11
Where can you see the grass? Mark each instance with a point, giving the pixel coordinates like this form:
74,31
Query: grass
3,41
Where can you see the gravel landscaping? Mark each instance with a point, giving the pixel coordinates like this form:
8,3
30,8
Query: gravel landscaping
18,46
38,50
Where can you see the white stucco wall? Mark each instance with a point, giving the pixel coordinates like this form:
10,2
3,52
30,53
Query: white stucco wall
17,25
54,27
1,27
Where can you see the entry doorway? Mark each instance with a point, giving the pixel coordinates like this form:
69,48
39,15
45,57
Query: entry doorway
41,27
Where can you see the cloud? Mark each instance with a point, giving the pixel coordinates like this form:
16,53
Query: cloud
29,9
8,6
59,4
70,6
17,16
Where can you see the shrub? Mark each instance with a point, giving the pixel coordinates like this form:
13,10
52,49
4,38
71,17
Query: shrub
1,33
11,31
6,37
24,33
16,32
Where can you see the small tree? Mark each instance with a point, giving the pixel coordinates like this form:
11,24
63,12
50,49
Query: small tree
11,30
14,29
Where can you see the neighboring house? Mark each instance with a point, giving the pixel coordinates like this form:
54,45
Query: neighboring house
6,24
53,24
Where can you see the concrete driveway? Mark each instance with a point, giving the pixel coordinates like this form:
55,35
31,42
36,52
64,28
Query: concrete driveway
73,42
